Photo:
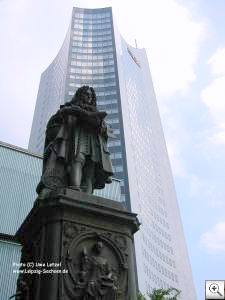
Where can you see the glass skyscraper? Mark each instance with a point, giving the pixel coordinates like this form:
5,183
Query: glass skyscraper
95,54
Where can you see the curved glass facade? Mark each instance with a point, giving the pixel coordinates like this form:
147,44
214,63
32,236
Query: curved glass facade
97,55
50,95
162,258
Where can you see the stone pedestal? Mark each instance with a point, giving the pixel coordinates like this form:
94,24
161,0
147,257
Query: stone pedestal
77,246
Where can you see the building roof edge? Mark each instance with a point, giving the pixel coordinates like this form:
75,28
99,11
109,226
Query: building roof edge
19,149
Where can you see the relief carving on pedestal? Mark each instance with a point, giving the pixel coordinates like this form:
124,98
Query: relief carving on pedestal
97,269
70,230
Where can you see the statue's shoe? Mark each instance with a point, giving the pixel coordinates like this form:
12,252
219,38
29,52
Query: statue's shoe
75,188
109,180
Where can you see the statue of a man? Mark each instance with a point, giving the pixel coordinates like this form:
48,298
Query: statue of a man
97,278
75,152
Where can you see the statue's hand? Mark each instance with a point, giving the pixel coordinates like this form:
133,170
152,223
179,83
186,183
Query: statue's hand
77,110
94,118
66,110
102,114
99,114
71,110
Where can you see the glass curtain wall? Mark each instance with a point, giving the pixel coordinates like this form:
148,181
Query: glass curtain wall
92,61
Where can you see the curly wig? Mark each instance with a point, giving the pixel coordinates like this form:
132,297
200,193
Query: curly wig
78,97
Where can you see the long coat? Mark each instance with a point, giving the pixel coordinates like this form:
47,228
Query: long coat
68,135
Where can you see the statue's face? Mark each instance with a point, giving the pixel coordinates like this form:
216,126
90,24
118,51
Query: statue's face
99,247
87,96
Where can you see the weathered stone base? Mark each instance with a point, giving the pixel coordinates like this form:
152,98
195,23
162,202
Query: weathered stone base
60,237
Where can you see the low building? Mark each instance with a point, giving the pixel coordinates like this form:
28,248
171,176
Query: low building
20,172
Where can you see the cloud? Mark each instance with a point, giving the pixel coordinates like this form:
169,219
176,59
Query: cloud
218,136
172,41
213,96
217,62
177,163
214,239
169,33
209,191
215,193
177,139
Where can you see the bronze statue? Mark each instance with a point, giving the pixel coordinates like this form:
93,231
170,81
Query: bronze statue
75,151
97,278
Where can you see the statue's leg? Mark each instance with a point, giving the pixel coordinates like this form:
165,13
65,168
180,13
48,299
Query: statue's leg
88,177
77,171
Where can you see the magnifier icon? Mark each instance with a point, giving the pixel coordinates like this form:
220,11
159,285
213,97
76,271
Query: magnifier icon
215,289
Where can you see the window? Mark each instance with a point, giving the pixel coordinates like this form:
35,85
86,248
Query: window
114,143
107,102
112,121
112,111
118,169
92,32
122,183
116,155
78,15
106,93
102,85
117,131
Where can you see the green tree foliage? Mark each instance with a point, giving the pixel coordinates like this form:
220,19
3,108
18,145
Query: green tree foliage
161,294
140,297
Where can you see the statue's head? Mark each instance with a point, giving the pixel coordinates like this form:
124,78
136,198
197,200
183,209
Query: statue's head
84,95
99,246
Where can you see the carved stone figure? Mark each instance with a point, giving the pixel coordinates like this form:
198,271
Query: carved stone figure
97,278
75,152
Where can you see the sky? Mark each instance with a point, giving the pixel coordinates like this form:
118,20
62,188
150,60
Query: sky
185,44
